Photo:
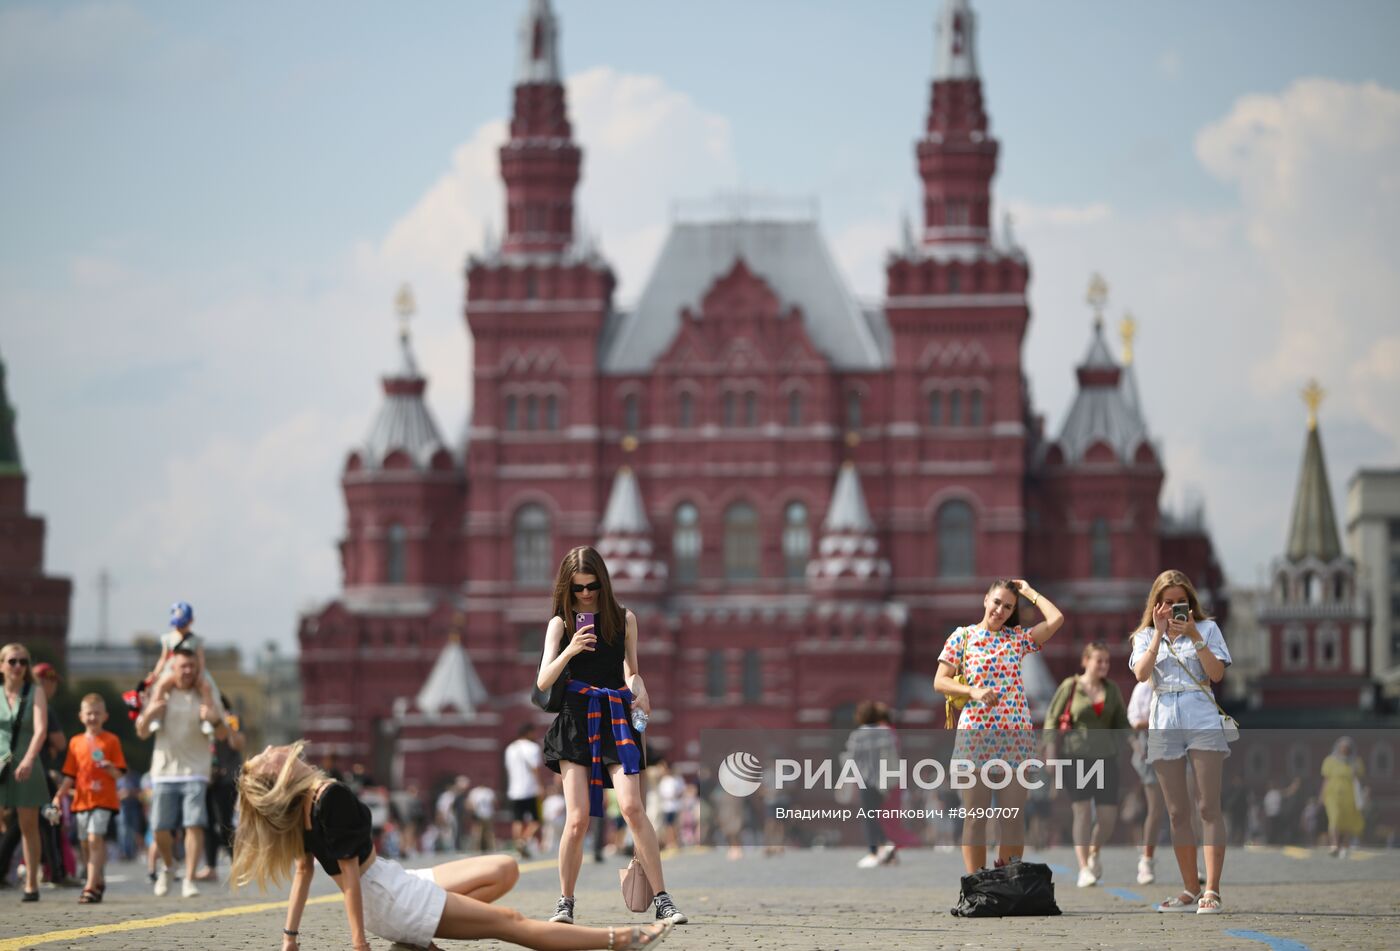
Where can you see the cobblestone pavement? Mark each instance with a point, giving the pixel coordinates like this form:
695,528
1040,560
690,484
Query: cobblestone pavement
801,901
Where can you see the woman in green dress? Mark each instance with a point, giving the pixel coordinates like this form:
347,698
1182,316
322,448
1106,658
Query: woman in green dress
24,725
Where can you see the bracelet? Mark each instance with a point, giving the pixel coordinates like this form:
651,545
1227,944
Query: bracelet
290,933
1035,600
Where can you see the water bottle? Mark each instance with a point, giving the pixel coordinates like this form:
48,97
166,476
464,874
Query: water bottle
639,719
52,814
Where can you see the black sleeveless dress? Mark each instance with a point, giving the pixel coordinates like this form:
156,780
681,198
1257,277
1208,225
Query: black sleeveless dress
567,739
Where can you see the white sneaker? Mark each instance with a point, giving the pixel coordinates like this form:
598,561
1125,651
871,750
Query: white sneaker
189,889
162,883
869,860
888,854
1096,865
206,727
153,726
1146,873
1087,877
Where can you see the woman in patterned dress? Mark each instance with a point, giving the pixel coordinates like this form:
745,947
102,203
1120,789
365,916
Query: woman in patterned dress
996,722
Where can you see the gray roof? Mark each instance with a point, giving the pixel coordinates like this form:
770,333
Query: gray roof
625,514
848,511
404,422
1106,413
452,684
789,255
1314,529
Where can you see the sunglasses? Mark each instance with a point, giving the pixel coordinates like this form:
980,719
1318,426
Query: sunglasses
17,661
591,586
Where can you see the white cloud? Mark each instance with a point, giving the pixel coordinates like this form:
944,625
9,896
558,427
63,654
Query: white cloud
217,408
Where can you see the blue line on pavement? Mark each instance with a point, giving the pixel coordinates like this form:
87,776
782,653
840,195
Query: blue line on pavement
1275,944
1124,894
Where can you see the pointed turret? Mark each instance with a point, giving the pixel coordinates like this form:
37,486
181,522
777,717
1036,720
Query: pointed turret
10,463
453,684
1313,533
404,424
1105,411
626,541
849,548
540,163
538,59
957,156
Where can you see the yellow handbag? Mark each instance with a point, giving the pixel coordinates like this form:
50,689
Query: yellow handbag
953,703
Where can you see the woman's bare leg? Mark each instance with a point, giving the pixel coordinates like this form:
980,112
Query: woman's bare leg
1011,843
466,918
575,826
29,846
634,813
974,833
1208,765
1152,823
1171,776
1083,812
485,877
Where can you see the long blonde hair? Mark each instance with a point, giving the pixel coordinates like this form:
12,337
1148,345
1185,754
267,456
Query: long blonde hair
1168,579
271,810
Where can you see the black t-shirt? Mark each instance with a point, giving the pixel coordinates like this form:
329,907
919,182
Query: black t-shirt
601,667
340,828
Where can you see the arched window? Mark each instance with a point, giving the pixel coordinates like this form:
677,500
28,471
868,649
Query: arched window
395,554
631,414
551,412
741,542
957,555
715,679
955,408
1100,550
794,409
974,408
750,409
532,546
685,410
935,408
797,540
728,410
853,408
1315,588
510,422
685,543
532,412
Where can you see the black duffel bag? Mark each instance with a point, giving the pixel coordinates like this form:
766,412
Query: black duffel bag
1021,888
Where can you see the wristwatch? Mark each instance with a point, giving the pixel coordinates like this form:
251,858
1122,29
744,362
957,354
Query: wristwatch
1199,645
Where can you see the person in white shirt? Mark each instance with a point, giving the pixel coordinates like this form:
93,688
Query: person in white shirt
1139,711
482,802
524,758
180,769
670,788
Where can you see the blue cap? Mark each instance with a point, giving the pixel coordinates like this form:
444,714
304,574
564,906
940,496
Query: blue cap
181,614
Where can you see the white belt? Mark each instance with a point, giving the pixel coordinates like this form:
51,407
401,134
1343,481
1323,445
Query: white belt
1175,688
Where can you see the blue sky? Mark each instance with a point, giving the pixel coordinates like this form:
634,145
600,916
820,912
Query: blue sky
208,206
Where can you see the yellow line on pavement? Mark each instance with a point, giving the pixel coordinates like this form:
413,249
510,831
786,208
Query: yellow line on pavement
191,917
141,924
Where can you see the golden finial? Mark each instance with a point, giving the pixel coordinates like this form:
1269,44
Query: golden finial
1127,330
406,307
1313,395
1097,296
629,443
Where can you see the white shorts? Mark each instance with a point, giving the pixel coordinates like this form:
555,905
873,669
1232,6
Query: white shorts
93,822
1173,744
401,905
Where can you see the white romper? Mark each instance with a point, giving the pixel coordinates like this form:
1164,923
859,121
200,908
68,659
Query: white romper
1182,716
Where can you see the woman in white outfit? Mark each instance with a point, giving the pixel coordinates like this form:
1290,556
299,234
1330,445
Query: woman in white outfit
291,815
1182,651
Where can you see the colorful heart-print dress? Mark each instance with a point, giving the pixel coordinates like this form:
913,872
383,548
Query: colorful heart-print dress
993,659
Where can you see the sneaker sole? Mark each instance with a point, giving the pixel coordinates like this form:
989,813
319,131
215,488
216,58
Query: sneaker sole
676,919
562,919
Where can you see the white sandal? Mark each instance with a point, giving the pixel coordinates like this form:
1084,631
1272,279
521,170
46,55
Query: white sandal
1209,903
639,937
1176,904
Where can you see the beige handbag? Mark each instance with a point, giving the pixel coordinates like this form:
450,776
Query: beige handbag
637,893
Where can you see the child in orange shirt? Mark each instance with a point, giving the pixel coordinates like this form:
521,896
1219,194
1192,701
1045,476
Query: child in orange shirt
95,762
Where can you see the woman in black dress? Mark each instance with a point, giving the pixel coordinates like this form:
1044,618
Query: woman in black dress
598,662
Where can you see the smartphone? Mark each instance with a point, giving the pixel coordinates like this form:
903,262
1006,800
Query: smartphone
581,620
1181,611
